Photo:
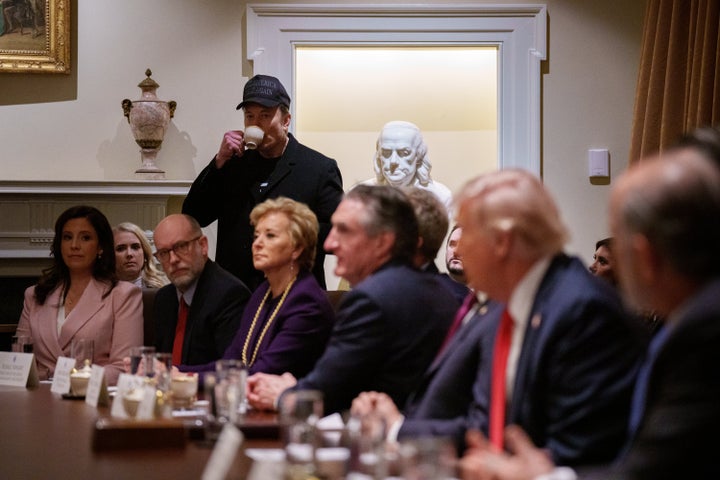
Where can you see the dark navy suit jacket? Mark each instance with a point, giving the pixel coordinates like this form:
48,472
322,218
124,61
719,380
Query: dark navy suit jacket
213,318
388,330
576,369
677,434
456,288
295,339
439,406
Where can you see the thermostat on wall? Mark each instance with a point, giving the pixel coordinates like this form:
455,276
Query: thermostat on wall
598,162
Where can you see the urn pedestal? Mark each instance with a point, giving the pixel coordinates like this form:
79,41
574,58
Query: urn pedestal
148,118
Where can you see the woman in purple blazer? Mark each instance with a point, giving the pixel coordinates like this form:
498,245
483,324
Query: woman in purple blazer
79,296
287,321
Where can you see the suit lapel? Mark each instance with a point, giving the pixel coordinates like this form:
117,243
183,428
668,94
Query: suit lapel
89,304
284,166
196,309
49,331
281,171
526,367
455,341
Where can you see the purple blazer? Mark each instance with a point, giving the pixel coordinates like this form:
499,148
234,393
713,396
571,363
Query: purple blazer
296,338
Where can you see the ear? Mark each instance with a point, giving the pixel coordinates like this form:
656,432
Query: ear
647,260
502,241
204,245
384,243
286,121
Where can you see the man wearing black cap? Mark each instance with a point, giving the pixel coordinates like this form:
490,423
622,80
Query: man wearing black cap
238,178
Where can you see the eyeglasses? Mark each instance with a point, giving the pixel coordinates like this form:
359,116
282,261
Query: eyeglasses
180,248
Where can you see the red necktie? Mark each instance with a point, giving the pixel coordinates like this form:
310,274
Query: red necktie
467,305
180,332
498,387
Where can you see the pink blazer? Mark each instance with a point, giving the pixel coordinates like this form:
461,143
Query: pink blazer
115,323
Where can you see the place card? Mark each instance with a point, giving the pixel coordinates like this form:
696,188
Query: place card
61,377
97,392
223,453
18,369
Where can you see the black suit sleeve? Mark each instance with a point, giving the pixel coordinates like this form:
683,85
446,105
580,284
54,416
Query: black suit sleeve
205,197
328,198
166,311
226,321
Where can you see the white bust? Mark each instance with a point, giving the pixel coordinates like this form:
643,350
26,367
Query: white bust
401,160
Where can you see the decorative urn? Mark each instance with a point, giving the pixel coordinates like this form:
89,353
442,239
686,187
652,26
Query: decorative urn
148,119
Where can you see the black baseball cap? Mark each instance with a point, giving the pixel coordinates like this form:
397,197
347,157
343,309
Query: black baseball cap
266,91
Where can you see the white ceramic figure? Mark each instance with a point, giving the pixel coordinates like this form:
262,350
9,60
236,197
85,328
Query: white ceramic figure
401,159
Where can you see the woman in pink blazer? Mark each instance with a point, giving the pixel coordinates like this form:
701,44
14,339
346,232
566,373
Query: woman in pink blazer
79,296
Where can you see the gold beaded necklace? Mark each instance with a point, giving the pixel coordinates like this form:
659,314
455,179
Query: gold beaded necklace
267,324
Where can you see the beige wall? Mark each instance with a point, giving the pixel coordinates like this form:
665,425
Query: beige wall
72,127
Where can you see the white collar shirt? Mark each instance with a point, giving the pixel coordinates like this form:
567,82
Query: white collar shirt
520,307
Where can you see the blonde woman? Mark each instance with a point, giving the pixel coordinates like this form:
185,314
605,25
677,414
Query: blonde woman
133,257
288,319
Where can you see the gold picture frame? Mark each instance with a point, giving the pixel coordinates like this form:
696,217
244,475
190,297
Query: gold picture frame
35,36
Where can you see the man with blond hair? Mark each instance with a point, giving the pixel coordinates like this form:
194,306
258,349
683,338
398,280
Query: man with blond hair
564,356
666,239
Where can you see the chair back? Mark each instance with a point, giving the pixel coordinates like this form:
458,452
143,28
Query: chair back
148,299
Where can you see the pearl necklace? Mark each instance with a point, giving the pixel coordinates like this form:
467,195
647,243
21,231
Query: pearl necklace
267,324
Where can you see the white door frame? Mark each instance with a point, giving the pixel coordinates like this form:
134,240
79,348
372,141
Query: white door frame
519,31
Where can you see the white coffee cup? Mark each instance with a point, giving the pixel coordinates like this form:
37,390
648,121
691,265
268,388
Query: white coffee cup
253,137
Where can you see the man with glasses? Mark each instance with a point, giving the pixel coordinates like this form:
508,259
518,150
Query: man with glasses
198,314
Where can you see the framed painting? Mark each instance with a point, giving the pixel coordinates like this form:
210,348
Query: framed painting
35,36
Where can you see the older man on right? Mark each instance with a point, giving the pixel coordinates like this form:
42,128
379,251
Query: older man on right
666,240
390,325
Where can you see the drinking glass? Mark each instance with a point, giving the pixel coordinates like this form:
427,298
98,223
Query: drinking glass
300,411
367,438
162,366
142,356
82,350
428,458
231,376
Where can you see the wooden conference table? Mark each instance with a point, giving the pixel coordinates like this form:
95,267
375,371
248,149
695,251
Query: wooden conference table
44,436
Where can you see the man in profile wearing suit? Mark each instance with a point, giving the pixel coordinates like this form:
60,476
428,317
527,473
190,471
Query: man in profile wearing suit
433,225
390,324
198,313
439,405
666,240
565,355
